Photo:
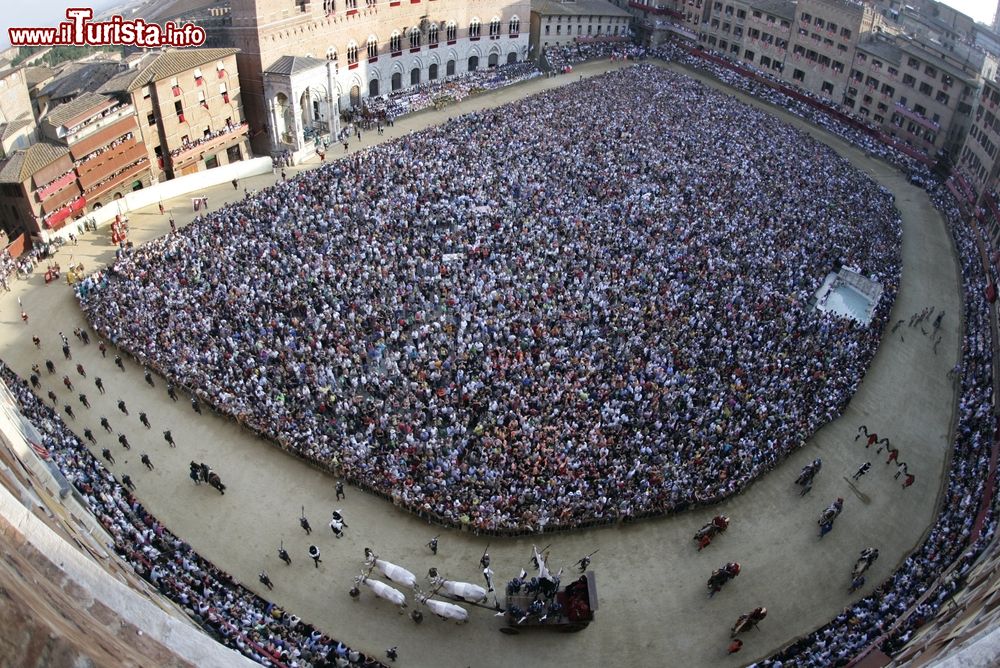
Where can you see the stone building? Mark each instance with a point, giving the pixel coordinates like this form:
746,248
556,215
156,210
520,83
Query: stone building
189,108
375,47
562,22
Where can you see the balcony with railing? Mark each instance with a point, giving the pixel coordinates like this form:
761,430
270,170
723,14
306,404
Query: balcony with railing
90,126
53,186
59,198
117,179
94,141
917,118
219,140
121,157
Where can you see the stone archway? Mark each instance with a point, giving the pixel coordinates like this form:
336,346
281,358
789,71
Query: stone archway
373,88
450,68
494,60
415,76
356,94
473,63
511,57
397,81
432,72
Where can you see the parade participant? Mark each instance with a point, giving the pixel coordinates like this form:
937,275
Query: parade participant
314,555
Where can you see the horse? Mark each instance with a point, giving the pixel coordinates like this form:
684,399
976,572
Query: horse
215,481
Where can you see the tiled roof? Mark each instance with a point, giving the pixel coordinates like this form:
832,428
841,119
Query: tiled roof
172,63
70,110
289,65
80,77
35,74
578,8
8,129
20,166
783,8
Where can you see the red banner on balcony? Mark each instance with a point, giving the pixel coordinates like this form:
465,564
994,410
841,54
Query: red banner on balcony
57,219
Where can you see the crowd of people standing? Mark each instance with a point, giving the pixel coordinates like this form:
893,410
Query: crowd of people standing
599,329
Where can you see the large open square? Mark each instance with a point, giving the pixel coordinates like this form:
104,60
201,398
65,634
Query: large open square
575,216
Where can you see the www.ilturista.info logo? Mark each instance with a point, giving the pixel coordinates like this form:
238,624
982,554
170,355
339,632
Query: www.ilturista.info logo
79,30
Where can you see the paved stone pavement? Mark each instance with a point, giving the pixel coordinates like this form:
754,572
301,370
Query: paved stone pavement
653,605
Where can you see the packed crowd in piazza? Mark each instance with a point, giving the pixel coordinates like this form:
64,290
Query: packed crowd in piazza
599,329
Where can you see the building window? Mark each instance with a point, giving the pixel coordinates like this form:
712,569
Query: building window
151,118
329,7
452,31
179,110
352,53
495,27
395,40
224,93
201,99
798,75
432,34
514,27
198,78
414,38
474,28
352,4
175,87
372,47
827,88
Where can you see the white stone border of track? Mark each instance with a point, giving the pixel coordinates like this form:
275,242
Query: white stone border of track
182,185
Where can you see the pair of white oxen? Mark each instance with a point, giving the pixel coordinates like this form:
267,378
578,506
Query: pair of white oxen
465,591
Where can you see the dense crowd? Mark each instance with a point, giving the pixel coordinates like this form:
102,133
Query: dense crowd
452,89
822,113
563,58
226,610
603,328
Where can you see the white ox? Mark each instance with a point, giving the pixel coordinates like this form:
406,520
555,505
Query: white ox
390,570
445,610
463,590
382,590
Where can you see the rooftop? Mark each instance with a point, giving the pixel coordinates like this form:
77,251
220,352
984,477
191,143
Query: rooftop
76,78
289,65
578,8
783,8
20,166
163,65
67,111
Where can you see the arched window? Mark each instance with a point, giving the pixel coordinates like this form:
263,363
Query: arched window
495,27
474,27
352,53
370,3
514,27
352,4
395,40
414,38
331,53
329,6
432,34
373,47
451,31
